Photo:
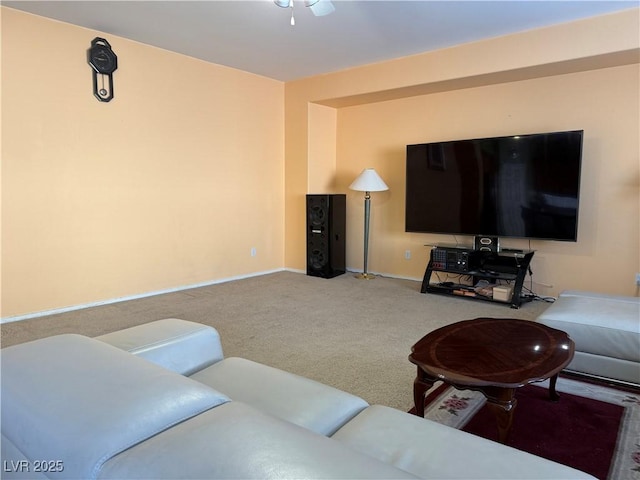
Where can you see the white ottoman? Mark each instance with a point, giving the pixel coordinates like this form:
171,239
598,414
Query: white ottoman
605,329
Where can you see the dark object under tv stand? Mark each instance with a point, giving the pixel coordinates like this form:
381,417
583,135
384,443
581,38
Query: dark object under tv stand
505,267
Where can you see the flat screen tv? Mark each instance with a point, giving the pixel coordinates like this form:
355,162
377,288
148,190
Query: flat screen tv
523,186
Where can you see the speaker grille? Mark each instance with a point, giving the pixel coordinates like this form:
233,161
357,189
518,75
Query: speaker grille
316,216
317,259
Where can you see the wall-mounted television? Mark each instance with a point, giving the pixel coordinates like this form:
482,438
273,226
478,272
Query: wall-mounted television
522,186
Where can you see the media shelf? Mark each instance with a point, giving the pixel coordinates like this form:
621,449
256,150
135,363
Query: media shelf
504,268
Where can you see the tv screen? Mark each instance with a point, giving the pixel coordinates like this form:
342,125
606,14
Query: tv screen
524,186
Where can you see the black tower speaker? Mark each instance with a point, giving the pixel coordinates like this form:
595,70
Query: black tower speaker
326,228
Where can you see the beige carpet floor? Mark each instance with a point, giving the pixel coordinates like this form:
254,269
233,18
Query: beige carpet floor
352,334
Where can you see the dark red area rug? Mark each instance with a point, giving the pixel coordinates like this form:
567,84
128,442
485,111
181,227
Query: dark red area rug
575,431
593,428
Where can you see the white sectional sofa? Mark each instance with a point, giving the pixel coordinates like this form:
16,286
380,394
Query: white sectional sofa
606,331
161,401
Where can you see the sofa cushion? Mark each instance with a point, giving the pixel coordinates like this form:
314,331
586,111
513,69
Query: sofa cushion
428,449
236,441
310,404
79,401
178,345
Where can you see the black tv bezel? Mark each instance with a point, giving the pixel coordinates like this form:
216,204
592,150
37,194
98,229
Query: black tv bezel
502,235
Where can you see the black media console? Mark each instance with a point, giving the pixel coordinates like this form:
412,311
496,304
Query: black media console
477,273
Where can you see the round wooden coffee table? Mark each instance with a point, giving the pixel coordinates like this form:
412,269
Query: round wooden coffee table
495,356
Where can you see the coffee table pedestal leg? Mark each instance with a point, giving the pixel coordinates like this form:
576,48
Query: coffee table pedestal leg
421,384
502,403
553,395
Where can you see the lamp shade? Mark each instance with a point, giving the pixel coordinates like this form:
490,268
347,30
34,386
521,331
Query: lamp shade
369,181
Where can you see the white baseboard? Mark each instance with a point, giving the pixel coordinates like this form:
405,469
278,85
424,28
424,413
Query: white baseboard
55,311
295,270
72,308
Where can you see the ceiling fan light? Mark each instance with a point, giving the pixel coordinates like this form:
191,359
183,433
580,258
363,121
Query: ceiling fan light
282,3
320,8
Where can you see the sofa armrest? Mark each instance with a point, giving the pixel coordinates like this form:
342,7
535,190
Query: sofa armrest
296,399
177,345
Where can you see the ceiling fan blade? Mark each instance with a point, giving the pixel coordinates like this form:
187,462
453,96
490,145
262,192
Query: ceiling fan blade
322,8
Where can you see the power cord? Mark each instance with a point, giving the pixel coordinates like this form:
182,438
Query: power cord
531,294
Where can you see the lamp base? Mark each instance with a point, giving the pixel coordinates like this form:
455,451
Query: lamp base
365,276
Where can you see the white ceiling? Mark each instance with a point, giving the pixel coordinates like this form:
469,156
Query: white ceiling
256,36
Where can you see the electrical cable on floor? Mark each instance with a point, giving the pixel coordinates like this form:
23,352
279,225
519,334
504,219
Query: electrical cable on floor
531,294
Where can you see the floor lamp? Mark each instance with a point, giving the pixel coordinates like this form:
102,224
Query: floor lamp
368,181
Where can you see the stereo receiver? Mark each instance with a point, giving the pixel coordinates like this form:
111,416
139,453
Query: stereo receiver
455,259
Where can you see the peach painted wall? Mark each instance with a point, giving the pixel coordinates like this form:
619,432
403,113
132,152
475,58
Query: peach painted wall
581,75
170,184
322,149
375,135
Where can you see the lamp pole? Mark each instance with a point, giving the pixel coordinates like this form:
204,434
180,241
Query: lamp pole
367,209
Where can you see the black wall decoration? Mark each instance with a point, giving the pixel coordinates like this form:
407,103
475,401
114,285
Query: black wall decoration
104,62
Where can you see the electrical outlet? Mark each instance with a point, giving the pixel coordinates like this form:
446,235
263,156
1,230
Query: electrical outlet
407,254
638,279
